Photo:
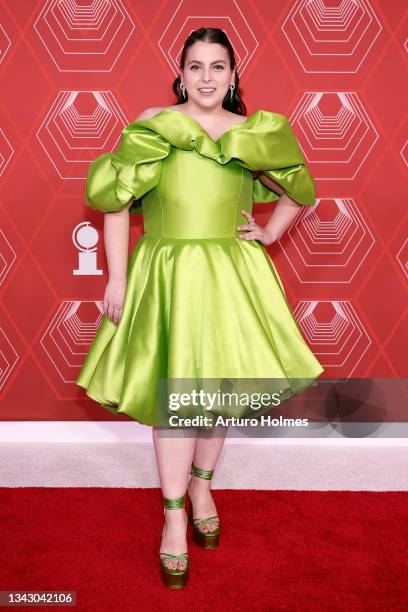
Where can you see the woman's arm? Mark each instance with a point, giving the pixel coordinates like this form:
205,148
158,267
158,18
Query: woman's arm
116,232
116,238
282,216
268,182
284,212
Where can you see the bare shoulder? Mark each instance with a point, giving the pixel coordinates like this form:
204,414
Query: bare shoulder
150,112
235,118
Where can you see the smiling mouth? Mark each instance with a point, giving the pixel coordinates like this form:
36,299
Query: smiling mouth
206,89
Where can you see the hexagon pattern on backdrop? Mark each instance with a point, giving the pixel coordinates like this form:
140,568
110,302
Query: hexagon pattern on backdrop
73,74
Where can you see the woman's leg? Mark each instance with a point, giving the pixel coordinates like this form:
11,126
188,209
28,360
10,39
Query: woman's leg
207,451
174,455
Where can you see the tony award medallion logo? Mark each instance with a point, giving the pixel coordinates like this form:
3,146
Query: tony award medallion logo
85,237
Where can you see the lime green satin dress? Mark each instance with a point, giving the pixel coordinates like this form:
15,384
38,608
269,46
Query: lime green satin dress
201,303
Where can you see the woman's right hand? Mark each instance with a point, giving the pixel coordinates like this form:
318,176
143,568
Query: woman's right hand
113,301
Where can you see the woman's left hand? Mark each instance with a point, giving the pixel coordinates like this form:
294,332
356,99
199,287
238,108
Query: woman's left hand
255,231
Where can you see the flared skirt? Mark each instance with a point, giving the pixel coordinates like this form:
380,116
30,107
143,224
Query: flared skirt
207,310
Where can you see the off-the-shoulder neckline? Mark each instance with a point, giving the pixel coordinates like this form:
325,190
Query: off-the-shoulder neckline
198,125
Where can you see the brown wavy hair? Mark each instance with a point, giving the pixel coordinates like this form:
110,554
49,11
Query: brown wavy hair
213,35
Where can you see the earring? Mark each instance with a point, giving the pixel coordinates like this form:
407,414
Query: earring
232,87
183,89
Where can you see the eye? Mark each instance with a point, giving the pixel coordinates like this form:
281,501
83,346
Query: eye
194,66
219,66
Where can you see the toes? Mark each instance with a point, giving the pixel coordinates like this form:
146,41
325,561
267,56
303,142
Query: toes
209,527
175,564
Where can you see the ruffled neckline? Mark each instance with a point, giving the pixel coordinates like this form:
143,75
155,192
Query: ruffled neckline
185,132
197,125
263,142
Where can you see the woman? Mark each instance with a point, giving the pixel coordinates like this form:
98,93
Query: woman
199,298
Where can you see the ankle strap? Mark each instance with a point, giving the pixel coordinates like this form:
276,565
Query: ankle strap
206,474
172,504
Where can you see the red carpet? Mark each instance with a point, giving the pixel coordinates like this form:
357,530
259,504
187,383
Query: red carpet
280,550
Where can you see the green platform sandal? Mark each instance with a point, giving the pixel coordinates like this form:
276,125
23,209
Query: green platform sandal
174,578
205,539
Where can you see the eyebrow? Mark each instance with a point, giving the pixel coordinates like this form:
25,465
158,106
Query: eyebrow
215,62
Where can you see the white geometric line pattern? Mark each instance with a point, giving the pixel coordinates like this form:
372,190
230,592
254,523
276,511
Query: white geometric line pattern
6,152
67,136
402,257
332,237
336,145
84,38
403,152
5,44
7,256
334,332
8,358
67,332
329,39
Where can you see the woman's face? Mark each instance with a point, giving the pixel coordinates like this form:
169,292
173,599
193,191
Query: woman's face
207,66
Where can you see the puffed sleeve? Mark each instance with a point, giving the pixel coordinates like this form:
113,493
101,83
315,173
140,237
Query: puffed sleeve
276,152
128,173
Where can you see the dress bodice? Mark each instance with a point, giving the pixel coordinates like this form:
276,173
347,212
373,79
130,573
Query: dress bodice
197,198
190,186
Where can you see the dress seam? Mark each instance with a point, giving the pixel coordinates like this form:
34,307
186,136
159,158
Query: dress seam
161,210
239,197
230,237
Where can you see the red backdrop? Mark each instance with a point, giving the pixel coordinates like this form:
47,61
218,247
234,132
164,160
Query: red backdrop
73,74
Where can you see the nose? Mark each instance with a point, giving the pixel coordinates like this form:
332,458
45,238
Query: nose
207,74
